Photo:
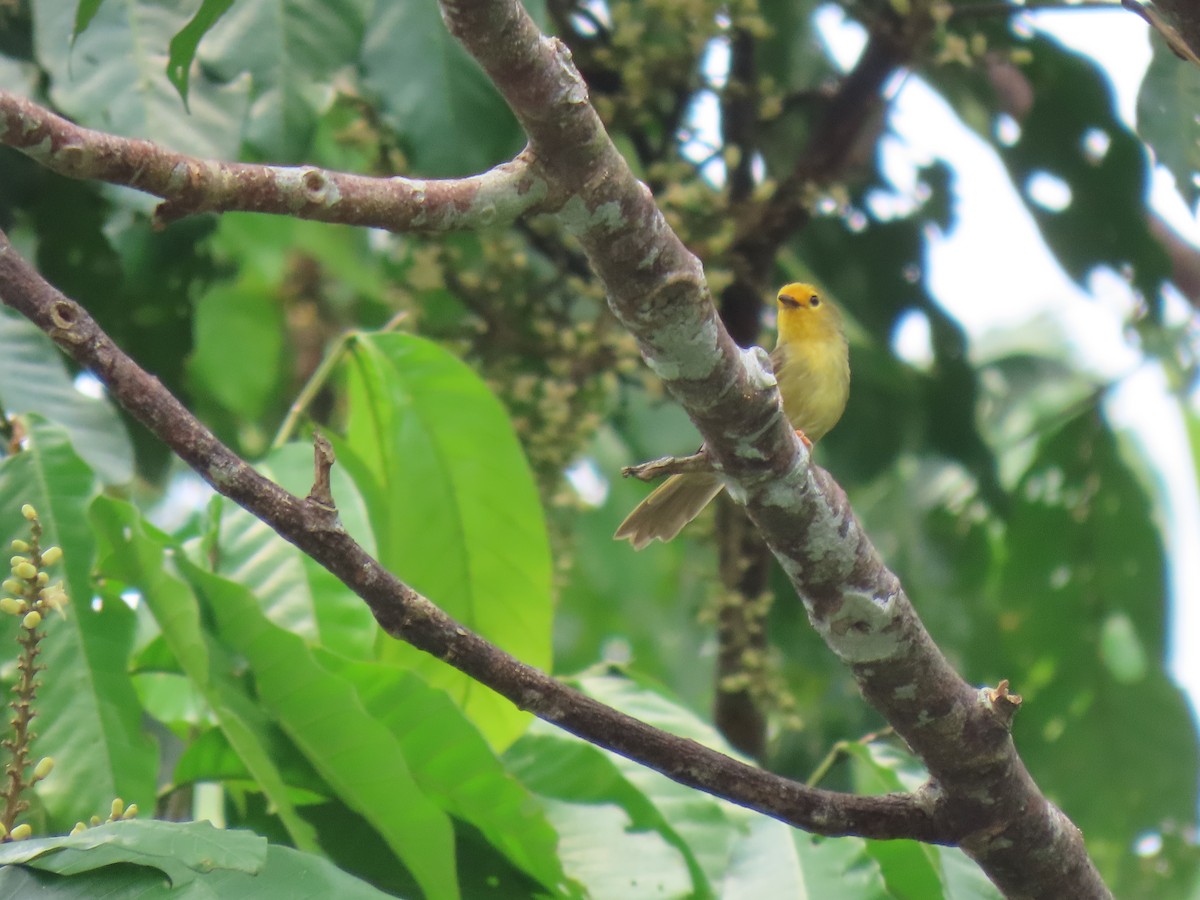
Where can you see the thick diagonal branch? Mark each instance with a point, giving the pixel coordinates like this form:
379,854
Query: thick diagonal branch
189,185
657,289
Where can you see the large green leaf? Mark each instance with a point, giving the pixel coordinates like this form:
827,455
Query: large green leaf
434,94
358,756
291,50
452,763
146,561
453,506
113,77
34,379
129,859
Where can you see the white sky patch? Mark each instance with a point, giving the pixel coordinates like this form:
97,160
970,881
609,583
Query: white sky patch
89,385
912,340
585,478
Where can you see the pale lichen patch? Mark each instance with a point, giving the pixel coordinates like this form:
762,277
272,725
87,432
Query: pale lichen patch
905,691
859,631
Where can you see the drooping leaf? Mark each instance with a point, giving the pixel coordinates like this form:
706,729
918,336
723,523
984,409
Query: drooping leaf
321,714
454,764
187,39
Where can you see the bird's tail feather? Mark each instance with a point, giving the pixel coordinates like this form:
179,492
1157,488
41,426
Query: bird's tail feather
671,506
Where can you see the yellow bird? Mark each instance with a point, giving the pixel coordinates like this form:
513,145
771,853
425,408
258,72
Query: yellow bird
812,365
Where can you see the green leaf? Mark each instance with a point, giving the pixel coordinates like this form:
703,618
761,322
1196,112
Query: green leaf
292,50
113,77
187,39
88,714
1166,116
138,558
454,765
129,859
702,827
776,860
453,506
84,13
238,357
434,94
322,715
181,850
909,868
34,379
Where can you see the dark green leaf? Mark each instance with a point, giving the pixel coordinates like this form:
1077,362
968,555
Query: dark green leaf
433,94
183,45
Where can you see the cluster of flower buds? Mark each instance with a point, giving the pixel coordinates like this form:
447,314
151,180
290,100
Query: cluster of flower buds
30,587
120,813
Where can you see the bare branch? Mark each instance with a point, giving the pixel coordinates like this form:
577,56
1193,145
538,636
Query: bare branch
408,616
189,185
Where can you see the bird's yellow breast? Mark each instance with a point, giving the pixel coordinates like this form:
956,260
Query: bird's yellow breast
812,363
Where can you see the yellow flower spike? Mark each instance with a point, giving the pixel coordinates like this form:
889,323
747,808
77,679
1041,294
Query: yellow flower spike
20,546
24,570
11,605
44,767
130,813
29,512
17,560
96,820
3,831
13,586
118,807
51,555
42,579
32,619
78,829
21,832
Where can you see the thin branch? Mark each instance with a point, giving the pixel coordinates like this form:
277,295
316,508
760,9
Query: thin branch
404,614
189,185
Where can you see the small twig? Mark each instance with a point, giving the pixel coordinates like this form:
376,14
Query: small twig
323,460
669,465
838,750
318,380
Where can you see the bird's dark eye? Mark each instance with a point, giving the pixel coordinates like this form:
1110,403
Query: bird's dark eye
790,302
815,301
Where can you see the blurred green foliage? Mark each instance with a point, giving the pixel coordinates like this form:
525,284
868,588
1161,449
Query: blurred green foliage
199,648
